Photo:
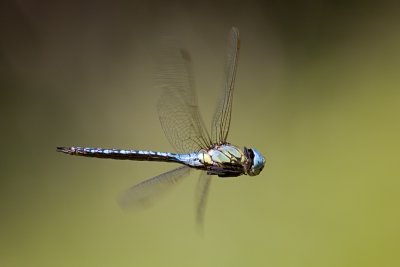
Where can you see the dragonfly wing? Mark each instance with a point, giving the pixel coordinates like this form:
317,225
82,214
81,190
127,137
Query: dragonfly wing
140,195
177,108
222,116
201,197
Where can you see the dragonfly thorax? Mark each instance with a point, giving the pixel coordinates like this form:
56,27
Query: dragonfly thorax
224,154
224,160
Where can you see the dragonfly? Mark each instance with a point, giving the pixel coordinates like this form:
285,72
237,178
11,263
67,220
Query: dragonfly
184,128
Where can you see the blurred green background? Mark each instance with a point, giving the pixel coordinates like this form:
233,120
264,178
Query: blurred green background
317,93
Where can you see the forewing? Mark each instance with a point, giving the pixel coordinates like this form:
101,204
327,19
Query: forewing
140,195
177,108
222,116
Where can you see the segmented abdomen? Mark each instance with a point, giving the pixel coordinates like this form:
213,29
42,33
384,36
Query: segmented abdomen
120,154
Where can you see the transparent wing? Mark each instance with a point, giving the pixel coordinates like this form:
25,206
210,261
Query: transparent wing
222,116
177,108
142,194
201,197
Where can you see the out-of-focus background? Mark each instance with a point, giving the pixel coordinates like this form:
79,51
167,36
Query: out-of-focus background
317,93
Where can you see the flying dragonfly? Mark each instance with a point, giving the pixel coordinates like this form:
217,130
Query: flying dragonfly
184,128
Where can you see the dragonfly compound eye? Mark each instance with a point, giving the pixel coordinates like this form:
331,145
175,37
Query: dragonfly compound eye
258,162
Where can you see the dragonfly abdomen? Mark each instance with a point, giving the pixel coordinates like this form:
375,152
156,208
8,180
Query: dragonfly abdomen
122,154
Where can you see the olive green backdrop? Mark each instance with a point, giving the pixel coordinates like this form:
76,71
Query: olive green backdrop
317,93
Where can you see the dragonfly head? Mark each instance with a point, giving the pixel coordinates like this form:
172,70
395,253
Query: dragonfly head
256,161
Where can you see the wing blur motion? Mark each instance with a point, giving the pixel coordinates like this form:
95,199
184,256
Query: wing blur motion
141,194
202,190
